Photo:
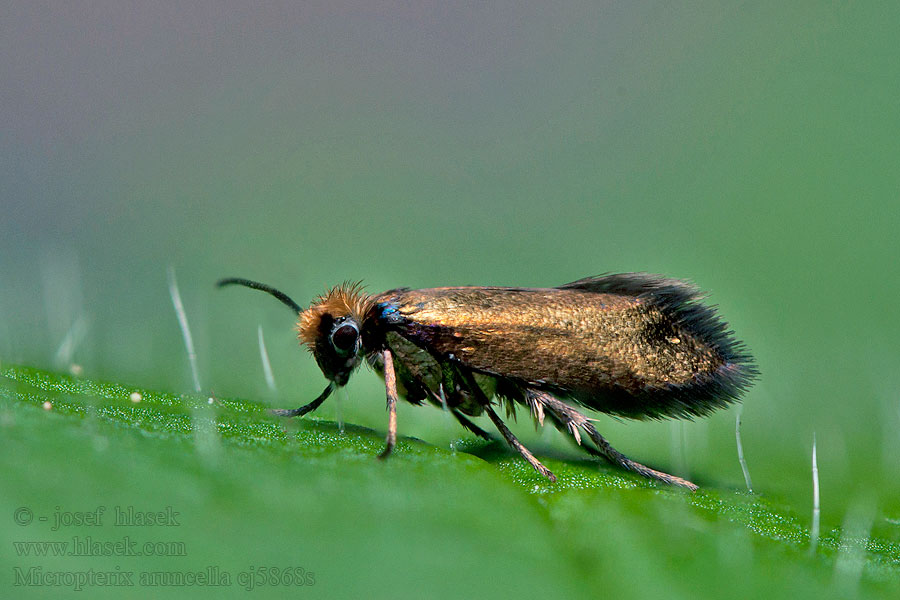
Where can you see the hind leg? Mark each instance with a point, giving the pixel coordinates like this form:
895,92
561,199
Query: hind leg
573,420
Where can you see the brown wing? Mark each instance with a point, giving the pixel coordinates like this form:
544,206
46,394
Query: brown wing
633,345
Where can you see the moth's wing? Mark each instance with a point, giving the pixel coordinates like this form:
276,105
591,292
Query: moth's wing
633,345
677,298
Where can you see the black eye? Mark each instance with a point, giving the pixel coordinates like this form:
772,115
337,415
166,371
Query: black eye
344,337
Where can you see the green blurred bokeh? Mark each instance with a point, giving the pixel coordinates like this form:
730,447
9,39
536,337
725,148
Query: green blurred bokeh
750,148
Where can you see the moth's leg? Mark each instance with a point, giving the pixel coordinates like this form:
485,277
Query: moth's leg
572,420
562,414
308,408
502,428
447,376
465,422
537,409
515,443
453,395
613,455
390,385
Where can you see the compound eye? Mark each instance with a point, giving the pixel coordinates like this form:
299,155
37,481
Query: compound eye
345,337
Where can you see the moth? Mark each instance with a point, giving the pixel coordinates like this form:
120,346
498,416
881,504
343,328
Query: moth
631,345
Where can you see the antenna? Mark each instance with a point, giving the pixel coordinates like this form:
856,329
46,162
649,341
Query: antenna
284,298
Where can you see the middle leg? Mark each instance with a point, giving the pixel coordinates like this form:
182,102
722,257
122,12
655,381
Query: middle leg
511,439
515,443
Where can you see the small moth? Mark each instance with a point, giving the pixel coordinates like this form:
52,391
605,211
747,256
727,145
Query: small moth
630,345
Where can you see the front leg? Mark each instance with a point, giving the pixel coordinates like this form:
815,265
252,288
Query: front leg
308,408
390,385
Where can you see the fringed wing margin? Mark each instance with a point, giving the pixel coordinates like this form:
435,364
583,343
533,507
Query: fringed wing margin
683,302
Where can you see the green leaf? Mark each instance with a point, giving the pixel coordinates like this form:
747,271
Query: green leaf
254,492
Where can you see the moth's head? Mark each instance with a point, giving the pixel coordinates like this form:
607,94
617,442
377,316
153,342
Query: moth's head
331,328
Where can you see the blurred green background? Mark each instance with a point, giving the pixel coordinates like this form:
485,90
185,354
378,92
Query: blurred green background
752,148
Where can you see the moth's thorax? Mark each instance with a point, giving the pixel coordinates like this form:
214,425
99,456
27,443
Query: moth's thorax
345,300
